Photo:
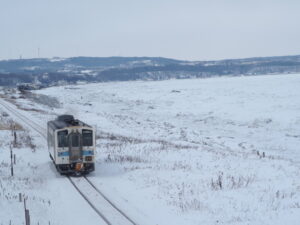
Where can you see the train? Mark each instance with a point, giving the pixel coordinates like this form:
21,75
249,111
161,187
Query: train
71,145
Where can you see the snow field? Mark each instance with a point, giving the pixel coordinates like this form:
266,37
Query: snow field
203,151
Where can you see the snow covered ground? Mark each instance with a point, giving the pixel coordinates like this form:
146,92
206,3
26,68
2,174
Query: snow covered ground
202,151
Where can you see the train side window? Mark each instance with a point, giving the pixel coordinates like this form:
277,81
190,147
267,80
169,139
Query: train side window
62,137
87,138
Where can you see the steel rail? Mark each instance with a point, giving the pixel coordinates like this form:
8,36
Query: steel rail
89,202
109,201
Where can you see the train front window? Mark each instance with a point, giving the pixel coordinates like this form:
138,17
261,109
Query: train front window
62,138
75,140
87,138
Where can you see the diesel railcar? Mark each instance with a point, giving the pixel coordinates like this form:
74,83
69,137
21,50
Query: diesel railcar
71,145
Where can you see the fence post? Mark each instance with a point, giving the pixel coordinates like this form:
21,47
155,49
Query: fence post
15,138
27,216
11,162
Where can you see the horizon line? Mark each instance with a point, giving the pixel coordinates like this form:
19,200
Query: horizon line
79,56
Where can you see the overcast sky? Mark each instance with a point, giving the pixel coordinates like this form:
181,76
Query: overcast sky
182,29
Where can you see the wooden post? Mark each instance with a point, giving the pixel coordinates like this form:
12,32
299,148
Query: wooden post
25,210
11,162
15,138
15,159
27,216
11,128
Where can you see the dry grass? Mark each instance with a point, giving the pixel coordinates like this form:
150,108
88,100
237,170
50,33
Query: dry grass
31,109
9,125
24,140
231,182
124,159
132,140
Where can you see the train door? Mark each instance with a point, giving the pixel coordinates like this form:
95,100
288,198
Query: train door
75,147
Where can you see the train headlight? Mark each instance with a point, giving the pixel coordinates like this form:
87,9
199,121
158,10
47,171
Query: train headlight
88,158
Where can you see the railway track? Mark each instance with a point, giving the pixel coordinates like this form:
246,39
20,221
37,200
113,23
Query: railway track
27,121
106,209
100,203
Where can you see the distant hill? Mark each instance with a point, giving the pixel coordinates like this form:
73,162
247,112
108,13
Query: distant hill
54,71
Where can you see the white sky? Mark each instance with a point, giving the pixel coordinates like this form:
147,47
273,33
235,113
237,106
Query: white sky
182,29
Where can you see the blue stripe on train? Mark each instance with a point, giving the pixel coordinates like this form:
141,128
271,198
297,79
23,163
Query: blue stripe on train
62,154
84,153
87,152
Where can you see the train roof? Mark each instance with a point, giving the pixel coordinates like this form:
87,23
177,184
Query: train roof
65,121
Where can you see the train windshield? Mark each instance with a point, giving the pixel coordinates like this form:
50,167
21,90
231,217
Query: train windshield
75,140
87,138
62,138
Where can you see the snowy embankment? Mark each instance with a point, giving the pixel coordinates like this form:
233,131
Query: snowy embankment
204,151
